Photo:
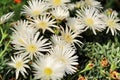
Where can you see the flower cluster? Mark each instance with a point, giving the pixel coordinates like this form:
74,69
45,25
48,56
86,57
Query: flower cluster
49,35
51,58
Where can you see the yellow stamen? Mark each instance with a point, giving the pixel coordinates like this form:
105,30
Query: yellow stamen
89,21
36,12
19,64
78,5
48,71
111,23
57,2
43,24
68,38
31,48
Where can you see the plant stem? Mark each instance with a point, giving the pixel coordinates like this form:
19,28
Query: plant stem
6,46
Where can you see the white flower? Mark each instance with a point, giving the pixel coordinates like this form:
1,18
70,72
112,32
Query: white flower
93,3
46,68
112,21
60,13
56,3
67,57
28,41
6,17
91,18
69,36
20,64
70,6
23,26
44,22
35,8
33,46
22,30
75,25
80,4
57,41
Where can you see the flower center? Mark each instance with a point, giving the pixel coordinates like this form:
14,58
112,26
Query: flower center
89,2
89,21
111,23
31,48
78,5
21,41
43,24
36,12
57,2
68,38
48,71
18,64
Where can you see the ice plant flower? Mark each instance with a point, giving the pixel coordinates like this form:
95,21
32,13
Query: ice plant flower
31,43
56,3
57,41
67,57
112,21
75,25
91,18
35,8
60,13
46,68
80,4
20,64
6,17
33,46
70,6
22,27
93,3
70,36
44,22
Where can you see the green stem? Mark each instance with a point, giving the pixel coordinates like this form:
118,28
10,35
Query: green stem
1,40
4,35
6,46
1,34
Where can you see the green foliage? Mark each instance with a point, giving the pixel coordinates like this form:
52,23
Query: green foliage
105,57
97,60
